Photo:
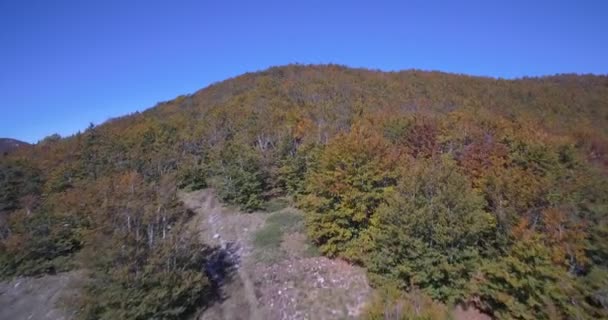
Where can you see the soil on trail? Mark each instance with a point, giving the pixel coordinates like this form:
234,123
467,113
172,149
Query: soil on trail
228,231
38,298
294,286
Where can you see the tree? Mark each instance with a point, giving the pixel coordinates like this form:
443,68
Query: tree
594,287
431,233
40,243
295,166
354,175
144,260
18,179
525,284
193,177
242,178
164,283
90,152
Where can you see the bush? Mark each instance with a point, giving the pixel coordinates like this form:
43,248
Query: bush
193,178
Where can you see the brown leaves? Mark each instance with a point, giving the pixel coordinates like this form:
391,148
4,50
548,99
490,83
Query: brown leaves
482,157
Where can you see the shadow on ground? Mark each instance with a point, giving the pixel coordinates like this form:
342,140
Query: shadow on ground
221,268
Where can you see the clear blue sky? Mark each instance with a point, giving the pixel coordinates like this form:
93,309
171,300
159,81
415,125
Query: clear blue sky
64,64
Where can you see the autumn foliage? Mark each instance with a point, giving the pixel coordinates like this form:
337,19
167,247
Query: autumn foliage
447,188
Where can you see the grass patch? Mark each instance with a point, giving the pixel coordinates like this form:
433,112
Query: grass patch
269,237
267,241
312,250
287,220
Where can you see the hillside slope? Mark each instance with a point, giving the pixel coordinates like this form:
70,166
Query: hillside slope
446,189
7,145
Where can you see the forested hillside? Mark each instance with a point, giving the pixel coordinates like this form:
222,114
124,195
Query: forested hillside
459,189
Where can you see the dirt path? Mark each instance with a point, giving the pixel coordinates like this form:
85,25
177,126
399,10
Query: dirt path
231,231
294,285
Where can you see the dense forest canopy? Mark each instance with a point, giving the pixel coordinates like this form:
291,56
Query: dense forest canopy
468,189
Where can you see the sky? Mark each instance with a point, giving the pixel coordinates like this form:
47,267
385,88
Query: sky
65,64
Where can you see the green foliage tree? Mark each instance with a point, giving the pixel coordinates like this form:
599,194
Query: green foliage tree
17,179
41,242
164,282
295,167
91,158
526,284
242,178
594,288
431,233
193,177
145,262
